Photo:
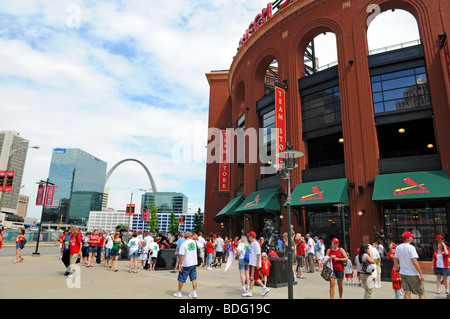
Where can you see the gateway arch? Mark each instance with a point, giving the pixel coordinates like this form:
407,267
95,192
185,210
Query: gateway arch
152,182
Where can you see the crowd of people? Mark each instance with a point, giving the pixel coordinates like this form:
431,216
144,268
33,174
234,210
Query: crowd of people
194,251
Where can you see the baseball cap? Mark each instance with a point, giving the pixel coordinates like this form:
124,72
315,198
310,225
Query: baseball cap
438,237
252,233
407,234
187,234
335,240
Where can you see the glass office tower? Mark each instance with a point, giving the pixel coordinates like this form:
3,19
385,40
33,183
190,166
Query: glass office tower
80,180
166,202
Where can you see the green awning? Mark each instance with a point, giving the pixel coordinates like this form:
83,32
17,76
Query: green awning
267,199
411,185
230,208
327,192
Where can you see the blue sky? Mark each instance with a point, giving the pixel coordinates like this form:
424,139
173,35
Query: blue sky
120,79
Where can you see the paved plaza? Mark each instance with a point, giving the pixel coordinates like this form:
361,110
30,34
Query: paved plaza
43,278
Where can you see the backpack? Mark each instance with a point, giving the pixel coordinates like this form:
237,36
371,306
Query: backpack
23,242
247,254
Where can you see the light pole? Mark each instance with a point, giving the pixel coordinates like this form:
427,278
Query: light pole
342,213
286,167
131,201
46,183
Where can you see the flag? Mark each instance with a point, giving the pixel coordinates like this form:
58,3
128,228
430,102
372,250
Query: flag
40,195
130,210
49,195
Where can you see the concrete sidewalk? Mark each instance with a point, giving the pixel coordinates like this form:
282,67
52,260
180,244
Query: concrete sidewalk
42,278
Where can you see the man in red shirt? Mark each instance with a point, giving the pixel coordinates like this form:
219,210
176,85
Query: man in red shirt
75,250
300,256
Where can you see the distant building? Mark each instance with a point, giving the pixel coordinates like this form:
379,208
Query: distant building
13,154
80,182
164,222
22,206
107,220
166,202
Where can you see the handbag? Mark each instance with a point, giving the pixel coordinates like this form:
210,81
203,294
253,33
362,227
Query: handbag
326,272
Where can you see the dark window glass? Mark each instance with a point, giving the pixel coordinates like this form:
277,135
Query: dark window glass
321,108
400,90
425,221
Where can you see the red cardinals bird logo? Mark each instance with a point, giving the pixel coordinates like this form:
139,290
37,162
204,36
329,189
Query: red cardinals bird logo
315,191
253,203
410,182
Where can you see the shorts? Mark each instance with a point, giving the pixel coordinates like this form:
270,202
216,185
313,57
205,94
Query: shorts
93,249
153,260
18,246
114,252
243,265
219,254
188,271
301,261
107,253
413,284
135,254
348,275
253,272
338,274
208,259
445,272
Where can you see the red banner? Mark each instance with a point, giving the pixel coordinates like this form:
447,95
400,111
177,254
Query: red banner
280,120
130,210
224,162
40,195
49,196
145,214
2,179
7,188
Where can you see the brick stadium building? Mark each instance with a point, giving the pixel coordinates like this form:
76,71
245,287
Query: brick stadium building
374,128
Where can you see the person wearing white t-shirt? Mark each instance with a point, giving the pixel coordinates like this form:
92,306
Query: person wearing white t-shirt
407,264
202,241
310,252
153,254
254,265
377,273
187,265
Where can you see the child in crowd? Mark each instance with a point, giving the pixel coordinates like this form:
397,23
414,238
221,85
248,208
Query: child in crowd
348,271
272,252
358,267
209,253
397,284
265,268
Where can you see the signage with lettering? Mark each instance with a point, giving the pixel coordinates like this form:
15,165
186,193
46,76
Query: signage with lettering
280,119
261,18
224,162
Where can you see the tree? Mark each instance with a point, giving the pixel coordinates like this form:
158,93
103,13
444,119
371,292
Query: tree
153,222
198,221
173,224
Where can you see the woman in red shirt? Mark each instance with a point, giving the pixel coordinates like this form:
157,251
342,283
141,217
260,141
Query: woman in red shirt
19,246
209,252
337,256
441,267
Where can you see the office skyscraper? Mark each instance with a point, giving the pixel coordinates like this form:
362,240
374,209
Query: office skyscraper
166,202
13,153
79,178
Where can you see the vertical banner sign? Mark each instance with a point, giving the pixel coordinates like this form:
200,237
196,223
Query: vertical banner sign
40,195
224,161
2,179
130,210
145,214
280,120
49,195
7,188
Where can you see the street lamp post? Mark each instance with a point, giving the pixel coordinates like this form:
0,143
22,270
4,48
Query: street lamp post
342,213
286,167
46,183
131,201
